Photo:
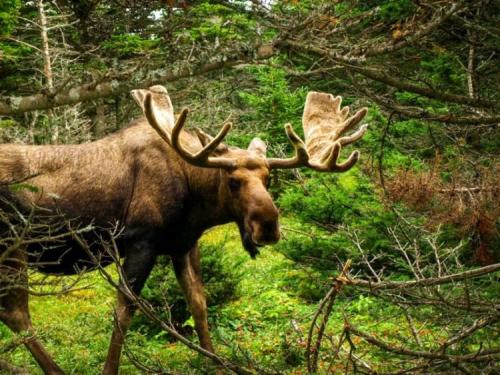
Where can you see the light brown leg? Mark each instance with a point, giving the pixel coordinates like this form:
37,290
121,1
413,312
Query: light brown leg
124,313
188,272
138,264
14,309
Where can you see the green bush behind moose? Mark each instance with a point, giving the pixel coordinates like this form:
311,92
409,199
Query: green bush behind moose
220,277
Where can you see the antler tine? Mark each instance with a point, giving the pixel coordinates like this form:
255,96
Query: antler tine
329,163
301,157
324,123
176,131
354,136
201,158
349,124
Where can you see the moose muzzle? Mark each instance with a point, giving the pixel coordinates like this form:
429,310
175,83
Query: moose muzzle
264,231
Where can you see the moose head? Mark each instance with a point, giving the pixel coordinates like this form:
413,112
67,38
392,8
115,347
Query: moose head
245,173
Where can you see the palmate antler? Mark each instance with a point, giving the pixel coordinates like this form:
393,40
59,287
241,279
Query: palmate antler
154,106
324,123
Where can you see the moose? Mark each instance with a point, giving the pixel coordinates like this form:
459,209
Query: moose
165,186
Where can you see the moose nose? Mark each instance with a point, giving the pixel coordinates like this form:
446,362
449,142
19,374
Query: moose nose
265,231
270,231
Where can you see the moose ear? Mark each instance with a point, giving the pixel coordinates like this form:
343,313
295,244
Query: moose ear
258,146
162,106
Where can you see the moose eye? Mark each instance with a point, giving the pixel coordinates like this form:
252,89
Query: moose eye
234,184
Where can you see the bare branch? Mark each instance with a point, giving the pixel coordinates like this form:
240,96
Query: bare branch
481,356
11,369
423,30
378,74
432,281
121,82
325,308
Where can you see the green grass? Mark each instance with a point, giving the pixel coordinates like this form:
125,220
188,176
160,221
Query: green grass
76,327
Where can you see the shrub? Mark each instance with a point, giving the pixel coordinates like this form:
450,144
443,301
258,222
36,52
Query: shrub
220,279
324,205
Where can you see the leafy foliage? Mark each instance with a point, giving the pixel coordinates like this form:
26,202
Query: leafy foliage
325,205
220,278
128,45
8,15
272,103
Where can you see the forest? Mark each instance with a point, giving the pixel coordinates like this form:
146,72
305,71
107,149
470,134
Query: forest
388,260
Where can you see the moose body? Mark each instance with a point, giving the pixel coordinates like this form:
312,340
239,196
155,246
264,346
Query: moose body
164,187
129,178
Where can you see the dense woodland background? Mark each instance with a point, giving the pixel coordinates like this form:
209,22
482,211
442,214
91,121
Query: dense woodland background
414,226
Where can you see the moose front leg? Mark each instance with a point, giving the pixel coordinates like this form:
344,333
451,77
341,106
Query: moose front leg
188,272
138,264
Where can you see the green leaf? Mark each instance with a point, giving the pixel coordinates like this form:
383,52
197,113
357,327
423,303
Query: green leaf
18,187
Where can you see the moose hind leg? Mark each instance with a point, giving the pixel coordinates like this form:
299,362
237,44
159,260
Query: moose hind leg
188,273
14,311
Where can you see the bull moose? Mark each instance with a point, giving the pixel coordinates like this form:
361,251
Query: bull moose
165,187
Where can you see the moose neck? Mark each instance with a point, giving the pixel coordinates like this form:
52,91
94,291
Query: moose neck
207,197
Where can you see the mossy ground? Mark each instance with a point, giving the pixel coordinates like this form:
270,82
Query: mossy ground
76,327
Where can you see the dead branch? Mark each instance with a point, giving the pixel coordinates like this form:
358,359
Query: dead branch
379,75
11,369
480,356
148,310
439,17
431,281
123,82
324,309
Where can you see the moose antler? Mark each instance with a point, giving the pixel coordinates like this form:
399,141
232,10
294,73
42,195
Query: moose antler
199,158
324,122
